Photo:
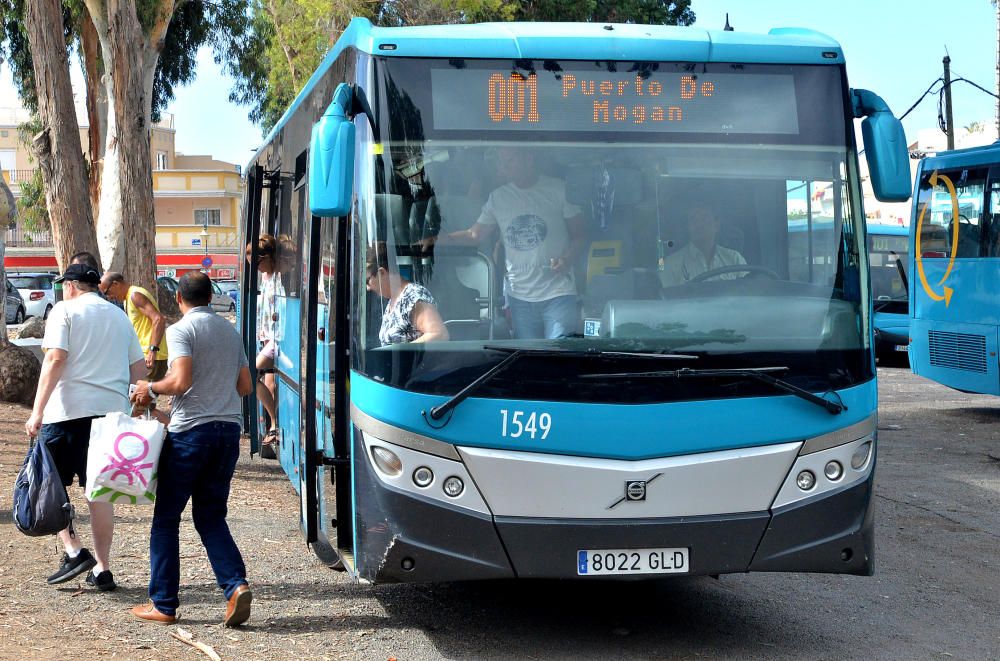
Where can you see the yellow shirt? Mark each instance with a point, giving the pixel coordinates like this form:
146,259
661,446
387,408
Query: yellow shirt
142,324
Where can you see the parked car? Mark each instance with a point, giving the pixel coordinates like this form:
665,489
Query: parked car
221,302
15,305
36,292
168,283
231,287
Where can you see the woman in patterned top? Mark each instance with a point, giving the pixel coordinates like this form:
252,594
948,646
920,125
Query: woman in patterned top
410,314
269,286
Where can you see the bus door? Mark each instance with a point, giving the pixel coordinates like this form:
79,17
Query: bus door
248,299
289,290
327,520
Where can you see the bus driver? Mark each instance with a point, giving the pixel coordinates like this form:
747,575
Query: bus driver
702,253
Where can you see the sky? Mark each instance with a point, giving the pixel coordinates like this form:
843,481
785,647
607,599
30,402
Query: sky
893,48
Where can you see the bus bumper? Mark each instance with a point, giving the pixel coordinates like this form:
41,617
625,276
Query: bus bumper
403,538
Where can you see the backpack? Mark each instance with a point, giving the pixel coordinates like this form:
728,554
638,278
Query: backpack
41,505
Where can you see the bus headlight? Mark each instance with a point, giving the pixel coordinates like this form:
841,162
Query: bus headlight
387,461
805,480
860,456
833,471
453,486
423,476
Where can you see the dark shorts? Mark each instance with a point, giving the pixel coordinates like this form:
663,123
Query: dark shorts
68,442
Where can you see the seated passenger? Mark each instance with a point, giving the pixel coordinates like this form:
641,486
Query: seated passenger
410,314
702,253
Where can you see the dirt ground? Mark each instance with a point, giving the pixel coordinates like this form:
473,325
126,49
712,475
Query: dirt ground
301,609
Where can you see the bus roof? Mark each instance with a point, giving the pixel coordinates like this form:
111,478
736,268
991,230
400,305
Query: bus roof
591,41
971,156
577,41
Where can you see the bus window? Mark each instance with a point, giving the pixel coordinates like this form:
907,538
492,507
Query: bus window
935,204
888,259
992,218
812,234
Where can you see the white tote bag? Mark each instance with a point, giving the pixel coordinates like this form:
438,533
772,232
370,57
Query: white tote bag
122,459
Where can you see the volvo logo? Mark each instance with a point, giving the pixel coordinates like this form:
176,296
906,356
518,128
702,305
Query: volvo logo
635,491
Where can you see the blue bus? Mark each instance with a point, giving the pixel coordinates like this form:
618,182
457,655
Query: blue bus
888,262
955,242
693,418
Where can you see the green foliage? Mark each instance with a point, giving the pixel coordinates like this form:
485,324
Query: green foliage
31,206
273,52
652,12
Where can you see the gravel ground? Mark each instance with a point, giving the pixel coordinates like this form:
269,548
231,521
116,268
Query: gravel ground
933,595
301,608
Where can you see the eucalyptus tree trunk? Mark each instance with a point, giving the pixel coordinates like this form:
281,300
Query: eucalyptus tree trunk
123,42
97,105
57,146
131,117
125,213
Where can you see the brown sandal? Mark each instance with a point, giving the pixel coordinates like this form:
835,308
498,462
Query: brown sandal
272,438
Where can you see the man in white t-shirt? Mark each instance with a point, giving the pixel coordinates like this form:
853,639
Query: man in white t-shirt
542,234
702,253
91,355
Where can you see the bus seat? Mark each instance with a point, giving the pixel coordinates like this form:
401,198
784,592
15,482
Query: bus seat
604,257
462,287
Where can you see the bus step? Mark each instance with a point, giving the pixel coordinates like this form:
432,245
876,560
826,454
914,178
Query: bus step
346,562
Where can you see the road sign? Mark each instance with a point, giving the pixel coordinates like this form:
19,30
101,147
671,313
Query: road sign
207,262
195,242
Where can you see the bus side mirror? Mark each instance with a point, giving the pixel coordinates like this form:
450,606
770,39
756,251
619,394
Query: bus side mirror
885,148
331,158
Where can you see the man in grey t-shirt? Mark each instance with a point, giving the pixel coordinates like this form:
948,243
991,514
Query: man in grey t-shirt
208,375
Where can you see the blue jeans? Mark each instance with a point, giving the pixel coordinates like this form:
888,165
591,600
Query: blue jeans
197,464
556,317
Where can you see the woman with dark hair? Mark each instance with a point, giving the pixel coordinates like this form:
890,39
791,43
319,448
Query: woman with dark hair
265,258
410,313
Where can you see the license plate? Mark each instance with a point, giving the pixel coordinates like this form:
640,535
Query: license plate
902,347
605,562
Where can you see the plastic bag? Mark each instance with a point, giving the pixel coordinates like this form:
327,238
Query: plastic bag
122,459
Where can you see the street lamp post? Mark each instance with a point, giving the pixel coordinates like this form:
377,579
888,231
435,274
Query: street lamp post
204,241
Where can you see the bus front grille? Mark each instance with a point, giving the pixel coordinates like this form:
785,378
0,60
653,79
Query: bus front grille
957,351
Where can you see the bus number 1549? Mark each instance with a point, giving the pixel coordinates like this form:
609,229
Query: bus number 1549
514,424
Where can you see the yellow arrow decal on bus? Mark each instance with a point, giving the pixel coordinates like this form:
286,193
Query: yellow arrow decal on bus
948,291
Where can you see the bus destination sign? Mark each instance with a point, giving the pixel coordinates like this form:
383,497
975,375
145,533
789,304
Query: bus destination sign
483,99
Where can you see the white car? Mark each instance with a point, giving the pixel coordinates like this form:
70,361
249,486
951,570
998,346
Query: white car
36,290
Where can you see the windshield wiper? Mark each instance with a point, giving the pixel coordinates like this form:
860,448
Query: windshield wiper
762,374
438,412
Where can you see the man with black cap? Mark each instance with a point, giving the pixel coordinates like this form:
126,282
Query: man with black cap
91,355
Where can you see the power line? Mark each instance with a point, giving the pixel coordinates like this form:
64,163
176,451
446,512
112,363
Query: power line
931,90
922,97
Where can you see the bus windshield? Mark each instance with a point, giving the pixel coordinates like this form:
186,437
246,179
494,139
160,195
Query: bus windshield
708,209
888,255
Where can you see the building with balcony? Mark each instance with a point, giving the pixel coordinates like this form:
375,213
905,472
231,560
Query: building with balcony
196,199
